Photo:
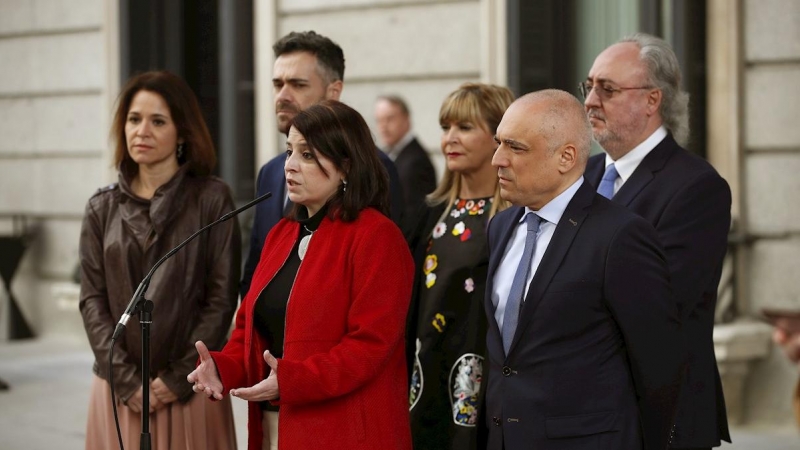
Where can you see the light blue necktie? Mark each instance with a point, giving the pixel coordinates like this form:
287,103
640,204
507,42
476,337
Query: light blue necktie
606,188
514,303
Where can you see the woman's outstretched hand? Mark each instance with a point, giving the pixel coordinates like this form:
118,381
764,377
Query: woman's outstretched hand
266,389
205,377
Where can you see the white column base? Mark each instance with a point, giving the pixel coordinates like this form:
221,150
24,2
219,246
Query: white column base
737,345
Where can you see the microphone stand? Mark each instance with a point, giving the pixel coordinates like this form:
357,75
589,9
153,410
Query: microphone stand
139,304
145,319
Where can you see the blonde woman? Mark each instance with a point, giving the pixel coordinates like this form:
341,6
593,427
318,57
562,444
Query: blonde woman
446,323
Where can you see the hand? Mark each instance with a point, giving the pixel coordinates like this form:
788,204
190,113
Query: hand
205,377
789,342
136,400
162,394
155,403
266,389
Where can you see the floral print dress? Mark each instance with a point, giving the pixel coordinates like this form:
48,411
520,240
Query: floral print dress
451,330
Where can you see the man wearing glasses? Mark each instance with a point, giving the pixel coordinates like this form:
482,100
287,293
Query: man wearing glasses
640,117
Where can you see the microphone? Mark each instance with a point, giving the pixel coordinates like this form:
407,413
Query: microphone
140,291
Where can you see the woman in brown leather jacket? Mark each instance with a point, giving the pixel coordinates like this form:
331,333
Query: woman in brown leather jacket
164,154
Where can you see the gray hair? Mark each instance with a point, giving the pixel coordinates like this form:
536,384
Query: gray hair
664,72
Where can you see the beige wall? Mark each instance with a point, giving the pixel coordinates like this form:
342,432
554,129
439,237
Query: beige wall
60,78
754,97
54,108
419,50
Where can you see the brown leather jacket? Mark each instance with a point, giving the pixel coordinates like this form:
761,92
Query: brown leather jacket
194,292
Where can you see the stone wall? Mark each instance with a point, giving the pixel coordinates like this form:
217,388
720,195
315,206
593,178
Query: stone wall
771,164
421,50
54,110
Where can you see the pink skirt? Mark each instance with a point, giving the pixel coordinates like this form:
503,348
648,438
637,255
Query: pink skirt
199,424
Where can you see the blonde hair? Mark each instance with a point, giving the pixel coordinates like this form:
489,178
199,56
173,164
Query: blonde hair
483,105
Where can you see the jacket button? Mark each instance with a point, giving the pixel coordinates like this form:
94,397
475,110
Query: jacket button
506,371
496,421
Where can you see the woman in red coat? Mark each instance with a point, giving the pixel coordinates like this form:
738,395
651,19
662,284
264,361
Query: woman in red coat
320,333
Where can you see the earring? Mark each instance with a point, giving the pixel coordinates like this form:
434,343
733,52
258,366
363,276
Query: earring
180,150
344,185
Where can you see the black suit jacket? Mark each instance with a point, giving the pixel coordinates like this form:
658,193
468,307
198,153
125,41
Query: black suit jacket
417,177
689,205
597,356
271,178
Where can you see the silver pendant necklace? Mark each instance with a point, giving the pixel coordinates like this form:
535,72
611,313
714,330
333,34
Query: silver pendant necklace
303,247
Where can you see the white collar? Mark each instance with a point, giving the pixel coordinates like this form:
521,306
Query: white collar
628,163
394,151
555,208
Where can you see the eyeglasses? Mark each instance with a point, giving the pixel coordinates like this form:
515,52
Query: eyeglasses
604,91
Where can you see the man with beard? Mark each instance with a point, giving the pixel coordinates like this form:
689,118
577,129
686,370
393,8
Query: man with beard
639,115
308,69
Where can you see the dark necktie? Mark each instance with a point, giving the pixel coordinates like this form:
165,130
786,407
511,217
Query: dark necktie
515,295
606,188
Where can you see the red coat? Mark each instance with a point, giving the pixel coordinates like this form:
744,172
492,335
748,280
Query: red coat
342,380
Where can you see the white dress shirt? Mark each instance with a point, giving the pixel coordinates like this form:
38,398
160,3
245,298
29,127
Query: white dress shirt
628,163
550,213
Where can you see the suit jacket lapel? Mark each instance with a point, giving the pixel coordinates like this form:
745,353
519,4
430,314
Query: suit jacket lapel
571,221
506,229
595,170
645,172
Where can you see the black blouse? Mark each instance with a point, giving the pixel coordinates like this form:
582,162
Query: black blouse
270,308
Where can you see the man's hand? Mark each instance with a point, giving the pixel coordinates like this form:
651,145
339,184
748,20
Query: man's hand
790,344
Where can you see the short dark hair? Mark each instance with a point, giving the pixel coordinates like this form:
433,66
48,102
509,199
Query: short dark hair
198,148
330,56
397,101
340,133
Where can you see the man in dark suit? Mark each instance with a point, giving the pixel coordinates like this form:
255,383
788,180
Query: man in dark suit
413,164
584,342
308,68
639,115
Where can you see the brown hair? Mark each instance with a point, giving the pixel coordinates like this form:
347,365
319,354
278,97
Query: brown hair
397,101
198,148
339,133
483,105
330,57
